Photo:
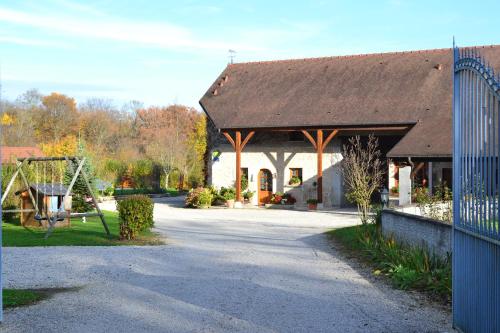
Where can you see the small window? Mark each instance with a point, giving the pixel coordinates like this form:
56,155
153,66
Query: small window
295,136
244,179
295,176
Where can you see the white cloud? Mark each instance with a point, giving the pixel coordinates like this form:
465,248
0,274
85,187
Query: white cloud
155,34
28,41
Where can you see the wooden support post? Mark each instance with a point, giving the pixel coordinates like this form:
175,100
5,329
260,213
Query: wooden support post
319,154
96,204
319,145
237,148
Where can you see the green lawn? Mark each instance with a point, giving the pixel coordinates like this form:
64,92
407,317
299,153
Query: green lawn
20,297
13,298
91,233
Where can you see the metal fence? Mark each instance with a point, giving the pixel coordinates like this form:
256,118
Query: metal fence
476,176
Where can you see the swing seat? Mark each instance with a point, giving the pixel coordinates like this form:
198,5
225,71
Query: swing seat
39,217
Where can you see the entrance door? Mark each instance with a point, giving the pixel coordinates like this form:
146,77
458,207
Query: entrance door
265,186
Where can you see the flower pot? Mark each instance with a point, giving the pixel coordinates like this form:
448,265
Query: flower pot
312,206
230,203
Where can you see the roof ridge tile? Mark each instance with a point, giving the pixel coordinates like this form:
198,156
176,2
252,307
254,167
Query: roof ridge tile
355,55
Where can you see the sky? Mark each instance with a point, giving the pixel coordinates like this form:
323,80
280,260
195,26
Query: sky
163,52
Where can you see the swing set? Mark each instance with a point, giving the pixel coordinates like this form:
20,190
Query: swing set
54,210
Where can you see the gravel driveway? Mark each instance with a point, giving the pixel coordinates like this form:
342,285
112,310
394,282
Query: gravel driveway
247,270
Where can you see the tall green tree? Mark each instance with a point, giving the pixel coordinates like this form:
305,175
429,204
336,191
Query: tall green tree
80,190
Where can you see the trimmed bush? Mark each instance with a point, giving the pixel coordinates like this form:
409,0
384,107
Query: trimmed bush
136,215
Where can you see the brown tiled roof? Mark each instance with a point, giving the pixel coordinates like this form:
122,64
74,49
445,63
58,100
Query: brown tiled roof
9,154
374,89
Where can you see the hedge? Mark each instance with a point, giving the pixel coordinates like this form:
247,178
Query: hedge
136,215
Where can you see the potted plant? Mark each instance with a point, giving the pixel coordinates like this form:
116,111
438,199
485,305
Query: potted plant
276,198
312,204
229,196
248,195
295,181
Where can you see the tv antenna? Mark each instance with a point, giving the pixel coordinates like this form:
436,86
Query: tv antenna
232,55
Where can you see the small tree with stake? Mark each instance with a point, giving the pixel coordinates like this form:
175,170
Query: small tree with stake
80,190
363,173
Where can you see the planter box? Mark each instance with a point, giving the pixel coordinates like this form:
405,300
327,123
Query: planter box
312,206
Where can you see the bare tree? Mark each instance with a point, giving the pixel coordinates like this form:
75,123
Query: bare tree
164,135
363,173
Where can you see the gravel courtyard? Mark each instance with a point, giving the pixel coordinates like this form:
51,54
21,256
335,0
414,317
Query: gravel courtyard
247,270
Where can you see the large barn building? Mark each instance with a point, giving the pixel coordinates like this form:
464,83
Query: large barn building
278,120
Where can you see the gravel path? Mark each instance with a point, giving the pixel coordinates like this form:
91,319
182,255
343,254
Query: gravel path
221,271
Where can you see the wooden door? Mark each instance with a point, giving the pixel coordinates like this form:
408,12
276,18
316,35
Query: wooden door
265,186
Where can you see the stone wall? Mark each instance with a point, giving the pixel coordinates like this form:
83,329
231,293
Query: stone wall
417,231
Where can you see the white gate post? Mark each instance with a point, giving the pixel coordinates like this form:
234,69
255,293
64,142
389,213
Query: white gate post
405,186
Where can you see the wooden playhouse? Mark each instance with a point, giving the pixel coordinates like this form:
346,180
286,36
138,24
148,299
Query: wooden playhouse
48,197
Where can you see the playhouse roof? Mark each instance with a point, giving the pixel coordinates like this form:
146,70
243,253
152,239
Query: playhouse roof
50,189
401,88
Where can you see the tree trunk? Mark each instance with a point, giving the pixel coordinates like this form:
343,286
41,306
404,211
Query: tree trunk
167,175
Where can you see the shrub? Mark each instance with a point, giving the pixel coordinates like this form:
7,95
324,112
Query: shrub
244,182
438,206
217,199
80,204
228,193
109,191
193,197
248,194
277,197
312,201
136,215
408,267
205,197
199,197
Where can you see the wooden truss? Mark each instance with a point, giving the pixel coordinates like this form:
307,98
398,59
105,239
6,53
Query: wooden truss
54,218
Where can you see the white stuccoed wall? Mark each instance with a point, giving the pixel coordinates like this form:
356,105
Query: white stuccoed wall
278,159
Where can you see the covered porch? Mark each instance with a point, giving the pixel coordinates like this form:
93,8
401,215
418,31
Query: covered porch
318,140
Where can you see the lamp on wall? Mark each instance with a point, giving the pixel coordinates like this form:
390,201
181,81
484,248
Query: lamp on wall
384,197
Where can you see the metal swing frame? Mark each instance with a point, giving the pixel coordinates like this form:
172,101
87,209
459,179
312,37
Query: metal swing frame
79,161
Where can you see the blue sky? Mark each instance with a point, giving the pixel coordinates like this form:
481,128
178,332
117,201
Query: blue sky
163,52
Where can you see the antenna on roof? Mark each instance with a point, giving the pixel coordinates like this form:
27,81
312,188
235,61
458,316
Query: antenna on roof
232,55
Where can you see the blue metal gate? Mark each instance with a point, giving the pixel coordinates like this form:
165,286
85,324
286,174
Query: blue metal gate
476,183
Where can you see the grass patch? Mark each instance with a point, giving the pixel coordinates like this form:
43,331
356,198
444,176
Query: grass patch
407,267
13,298
91,233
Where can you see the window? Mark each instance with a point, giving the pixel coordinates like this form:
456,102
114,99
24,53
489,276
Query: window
295,176
244,179
295,136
